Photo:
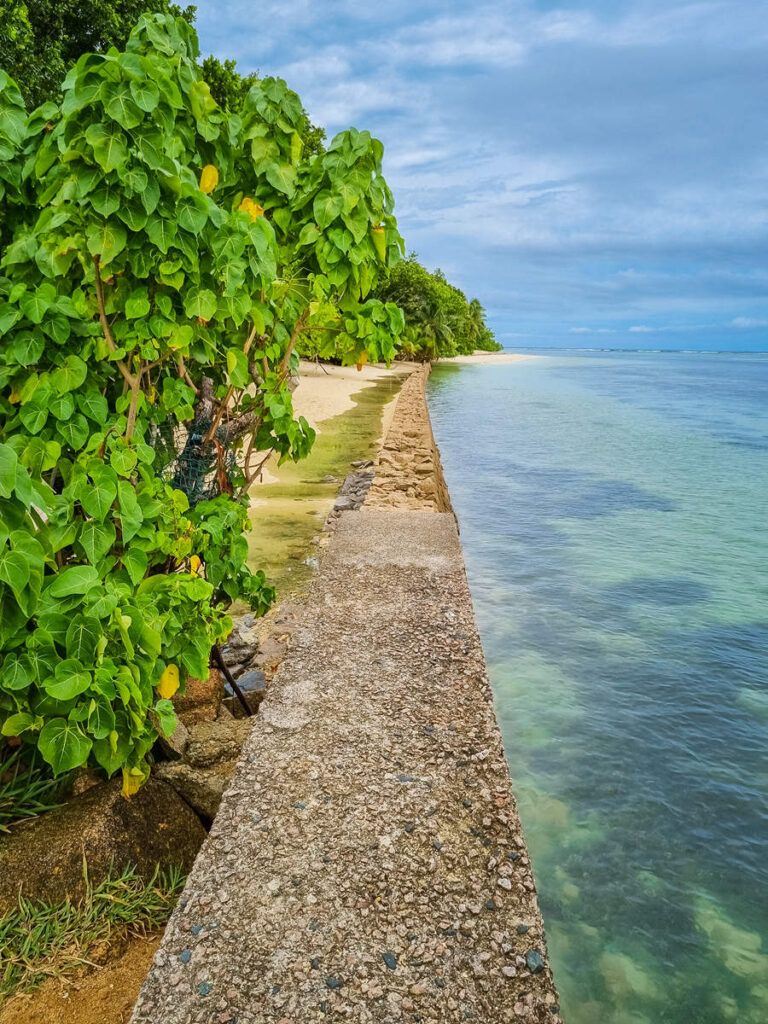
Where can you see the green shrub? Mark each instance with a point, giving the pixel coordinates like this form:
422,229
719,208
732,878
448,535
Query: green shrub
166,258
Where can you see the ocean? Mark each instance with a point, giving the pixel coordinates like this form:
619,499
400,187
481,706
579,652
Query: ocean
614,512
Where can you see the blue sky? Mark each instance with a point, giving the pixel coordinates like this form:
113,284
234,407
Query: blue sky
595,173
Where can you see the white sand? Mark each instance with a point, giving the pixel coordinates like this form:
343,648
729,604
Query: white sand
478,357
326,391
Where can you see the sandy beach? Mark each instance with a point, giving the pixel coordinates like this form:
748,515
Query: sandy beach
480,358
325,391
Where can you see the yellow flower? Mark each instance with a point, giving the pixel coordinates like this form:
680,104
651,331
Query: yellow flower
194,565
169,682
209,179
253,210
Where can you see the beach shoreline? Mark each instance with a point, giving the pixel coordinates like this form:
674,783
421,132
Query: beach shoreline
480,358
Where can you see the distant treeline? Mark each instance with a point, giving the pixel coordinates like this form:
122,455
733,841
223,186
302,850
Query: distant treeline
439,321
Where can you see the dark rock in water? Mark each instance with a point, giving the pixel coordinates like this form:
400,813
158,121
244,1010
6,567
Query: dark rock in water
390,960
535,961
44,856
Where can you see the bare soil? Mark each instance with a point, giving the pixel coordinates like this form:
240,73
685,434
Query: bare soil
104,995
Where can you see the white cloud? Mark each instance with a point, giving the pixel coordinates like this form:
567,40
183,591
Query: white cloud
534,154
747,322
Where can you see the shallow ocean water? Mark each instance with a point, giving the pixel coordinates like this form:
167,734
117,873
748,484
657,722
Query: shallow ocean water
613,509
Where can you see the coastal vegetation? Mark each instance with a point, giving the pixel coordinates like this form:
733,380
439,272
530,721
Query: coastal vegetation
163,260
439,321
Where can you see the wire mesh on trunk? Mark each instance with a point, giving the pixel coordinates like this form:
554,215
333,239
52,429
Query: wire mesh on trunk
200,469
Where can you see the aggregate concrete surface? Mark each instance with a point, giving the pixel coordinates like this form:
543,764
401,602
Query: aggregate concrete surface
367,861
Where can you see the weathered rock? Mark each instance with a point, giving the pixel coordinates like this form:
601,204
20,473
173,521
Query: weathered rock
210,742
253,699
252,681
253,686
344,504
202,788
201,700
44,857
269,656
175,745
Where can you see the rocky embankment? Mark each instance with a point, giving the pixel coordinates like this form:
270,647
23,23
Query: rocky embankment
367,860
408,471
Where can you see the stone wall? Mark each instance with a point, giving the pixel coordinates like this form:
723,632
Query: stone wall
408,472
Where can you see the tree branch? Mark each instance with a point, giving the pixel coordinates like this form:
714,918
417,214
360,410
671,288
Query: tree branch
129,379
298,327
223,407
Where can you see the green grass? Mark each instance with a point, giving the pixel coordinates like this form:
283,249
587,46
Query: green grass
40,940
27,787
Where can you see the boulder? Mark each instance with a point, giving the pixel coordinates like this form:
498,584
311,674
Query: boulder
201,700
202,788
242,642
175,745
253,699
44,857
210,742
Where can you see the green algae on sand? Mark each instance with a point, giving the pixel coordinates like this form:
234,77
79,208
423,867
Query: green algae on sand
288,511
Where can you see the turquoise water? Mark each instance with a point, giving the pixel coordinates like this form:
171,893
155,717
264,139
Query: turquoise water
614,514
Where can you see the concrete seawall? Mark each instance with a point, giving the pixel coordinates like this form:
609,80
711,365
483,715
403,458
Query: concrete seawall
367,862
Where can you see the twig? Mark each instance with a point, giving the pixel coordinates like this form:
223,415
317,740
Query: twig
184,373
250,477
135,392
